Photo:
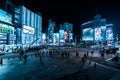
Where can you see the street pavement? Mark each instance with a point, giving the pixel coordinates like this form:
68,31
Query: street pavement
60,68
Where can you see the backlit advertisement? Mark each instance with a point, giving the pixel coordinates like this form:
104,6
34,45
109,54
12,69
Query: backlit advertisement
56,38
61,35
98,34
87,34
5,16
3,38
4,28
109,34
70,36
27,29
44,39
66,36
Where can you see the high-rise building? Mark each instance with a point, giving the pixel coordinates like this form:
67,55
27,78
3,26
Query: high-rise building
31,26
94,30
68,31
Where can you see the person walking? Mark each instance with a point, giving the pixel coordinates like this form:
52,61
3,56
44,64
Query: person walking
83,61
21,53
92,52
85,57
95,65
25,59
87,53
1,61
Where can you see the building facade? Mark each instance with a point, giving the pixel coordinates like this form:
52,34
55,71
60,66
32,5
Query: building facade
67,28
7,29
50,31
97,30
31,26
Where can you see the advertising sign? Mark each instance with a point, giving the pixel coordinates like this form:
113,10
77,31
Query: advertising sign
98,34
109,34
87,34
5,17
4,28
61,35
56,38
3,38
28,29
66,36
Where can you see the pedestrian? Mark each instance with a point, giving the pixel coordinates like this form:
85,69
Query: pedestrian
25,58
42,53
83,61
92,52
1,61
95,65
89,62
50,53
77,55
35,54
40,56
68,54
65,54
87,53
62,54
85,56
21,53
65,77
86,77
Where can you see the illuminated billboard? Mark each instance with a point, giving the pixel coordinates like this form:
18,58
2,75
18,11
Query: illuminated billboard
4,28
56,38
27,29
109,34
44,39
98,34
87,34
61,35
6,17
43,36
66,36
70,36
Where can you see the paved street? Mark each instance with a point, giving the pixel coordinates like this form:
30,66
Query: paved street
59,68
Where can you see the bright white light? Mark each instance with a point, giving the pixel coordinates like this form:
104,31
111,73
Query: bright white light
43,36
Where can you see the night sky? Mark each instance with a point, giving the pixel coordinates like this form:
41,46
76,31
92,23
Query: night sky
75,11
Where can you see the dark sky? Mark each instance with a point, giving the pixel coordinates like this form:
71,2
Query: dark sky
75,11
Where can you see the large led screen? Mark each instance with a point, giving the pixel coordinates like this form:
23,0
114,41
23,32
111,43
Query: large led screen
98,34
109,34
56,38
66,36
61,34
87,34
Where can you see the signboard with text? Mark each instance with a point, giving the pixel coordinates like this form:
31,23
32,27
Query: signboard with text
28,29
6,17
4,28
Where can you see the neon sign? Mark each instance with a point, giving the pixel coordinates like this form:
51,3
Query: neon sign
5,17
27,29
4,28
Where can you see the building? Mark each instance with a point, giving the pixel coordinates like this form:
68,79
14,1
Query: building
67,28
30,26
50,31
96,30
7,29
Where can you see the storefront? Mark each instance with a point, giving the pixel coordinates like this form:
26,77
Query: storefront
7,31
7,35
